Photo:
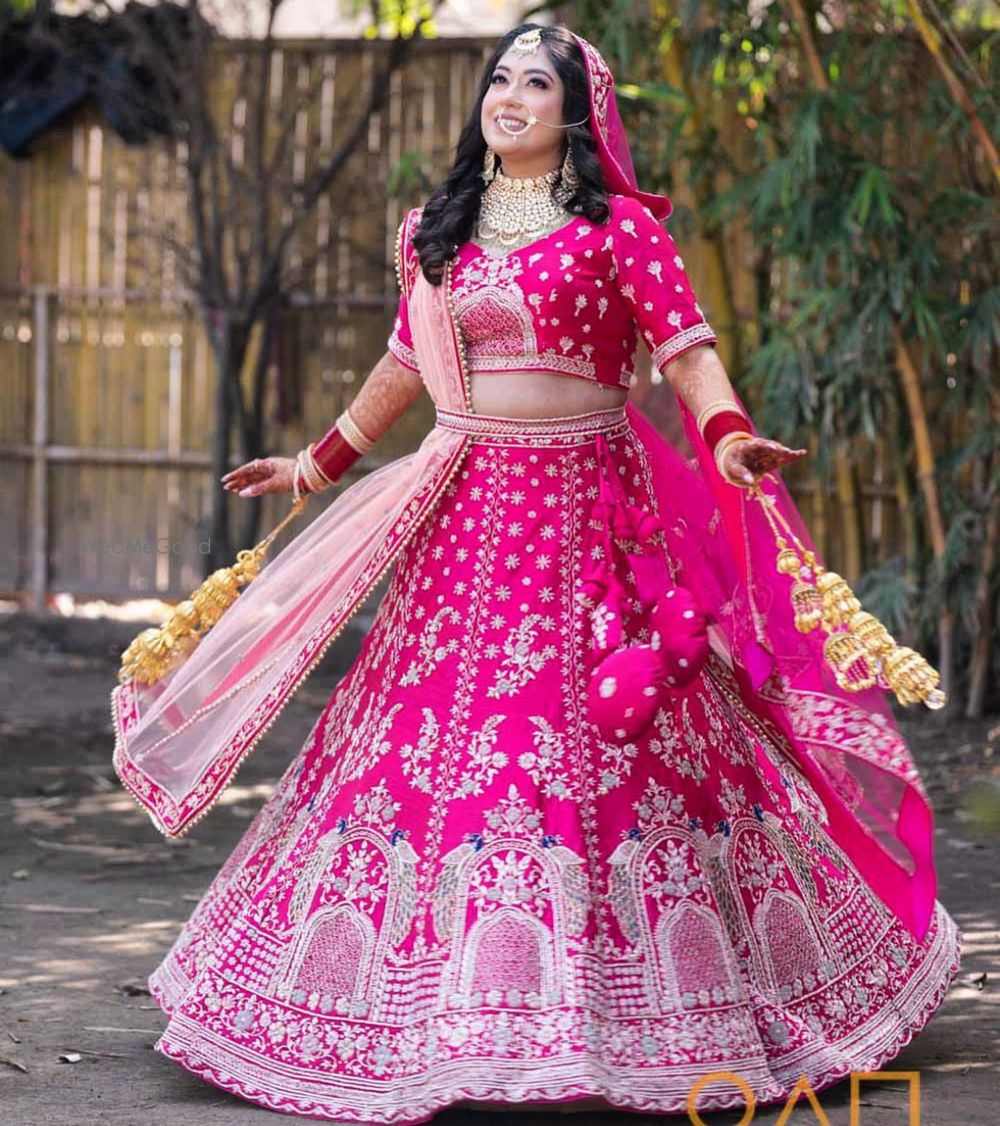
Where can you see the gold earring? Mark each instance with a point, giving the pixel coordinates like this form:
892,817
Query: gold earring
489,165
569,180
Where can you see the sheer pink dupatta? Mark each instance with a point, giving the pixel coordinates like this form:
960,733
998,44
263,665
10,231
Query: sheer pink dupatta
847,745
179,742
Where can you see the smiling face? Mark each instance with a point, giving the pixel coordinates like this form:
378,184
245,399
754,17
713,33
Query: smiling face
519,85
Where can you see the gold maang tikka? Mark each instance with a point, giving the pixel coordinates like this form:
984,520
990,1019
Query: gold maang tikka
528,42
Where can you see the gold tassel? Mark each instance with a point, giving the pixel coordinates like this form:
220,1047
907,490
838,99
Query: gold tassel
858,648
154,651
853,668
807,606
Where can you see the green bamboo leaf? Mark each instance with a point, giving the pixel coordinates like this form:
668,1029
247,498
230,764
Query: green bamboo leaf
863,198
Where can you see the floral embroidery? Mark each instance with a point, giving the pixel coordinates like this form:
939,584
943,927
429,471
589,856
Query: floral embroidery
523,660
485,760
546,763
430,652
416,757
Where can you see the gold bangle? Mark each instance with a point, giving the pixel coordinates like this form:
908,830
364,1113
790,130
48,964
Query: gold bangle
315,466
302,472
353,434
714,408
316,483
725,442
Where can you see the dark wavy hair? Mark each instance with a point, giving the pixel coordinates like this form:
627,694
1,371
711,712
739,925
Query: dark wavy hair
449,214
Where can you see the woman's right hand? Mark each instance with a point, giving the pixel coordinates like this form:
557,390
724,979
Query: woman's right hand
262,475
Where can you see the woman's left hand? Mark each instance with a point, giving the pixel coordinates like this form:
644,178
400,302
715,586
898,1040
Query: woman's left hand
748,460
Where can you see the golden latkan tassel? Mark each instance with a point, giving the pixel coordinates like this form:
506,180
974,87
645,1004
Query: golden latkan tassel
214,596
839,602
154,651
859,649
807,605
805,597
871,633
853,668
912,678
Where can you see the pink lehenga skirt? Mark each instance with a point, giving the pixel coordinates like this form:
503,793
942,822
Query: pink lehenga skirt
458,891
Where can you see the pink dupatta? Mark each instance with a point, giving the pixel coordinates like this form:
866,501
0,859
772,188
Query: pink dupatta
846,744
179,742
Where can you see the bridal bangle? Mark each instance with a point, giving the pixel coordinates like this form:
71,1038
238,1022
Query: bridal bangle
354,434
719,419
308,473
720,425
719,406
323,463
720,452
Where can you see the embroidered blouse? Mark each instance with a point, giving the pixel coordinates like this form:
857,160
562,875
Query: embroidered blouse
572,302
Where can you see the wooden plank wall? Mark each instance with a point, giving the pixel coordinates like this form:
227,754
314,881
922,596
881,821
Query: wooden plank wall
125,454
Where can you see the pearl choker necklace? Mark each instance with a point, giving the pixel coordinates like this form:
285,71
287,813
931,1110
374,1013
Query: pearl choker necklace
519,210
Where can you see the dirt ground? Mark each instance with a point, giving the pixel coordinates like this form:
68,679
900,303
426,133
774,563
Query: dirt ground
91,897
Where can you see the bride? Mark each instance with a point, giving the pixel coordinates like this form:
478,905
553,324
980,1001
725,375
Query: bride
589,821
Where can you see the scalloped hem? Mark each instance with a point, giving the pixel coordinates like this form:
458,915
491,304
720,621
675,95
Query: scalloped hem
541,1084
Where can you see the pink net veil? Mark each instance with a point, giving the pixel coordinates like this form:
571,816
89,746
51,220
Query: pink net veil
612,142
180,742
845,744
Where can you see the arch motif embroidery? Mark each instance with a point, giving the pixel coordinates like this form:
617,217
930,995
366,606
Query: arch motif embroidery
695,959
330,963
660,889
520,888
763,865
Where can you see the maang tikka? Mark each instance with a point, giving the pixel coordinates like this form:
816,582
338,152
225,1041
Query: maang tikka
528,42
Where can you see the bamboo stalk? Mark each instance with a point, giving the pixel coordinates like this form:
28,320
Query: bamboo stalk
985,604
923,445
955,87
717,268
897,449
911,532
850,515
924,455
809,44
819,523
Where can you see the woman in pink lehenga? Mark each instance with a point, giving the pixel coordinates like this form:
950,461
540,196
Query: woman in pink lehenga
589,818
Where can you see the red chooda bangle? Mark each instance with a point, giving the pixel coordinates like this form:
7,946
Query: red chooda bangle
334,455
727,422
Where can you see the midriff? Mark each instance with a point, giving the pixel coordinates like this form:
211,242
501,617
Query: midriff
540,394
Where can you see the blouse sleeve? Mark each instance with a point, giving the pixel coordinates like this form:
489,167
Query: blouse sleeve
650,276
400,342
